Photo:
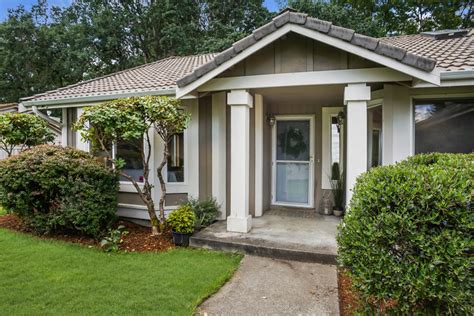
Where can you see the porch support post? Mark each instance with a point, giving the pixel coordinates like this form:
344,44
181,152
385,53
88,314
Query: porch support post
240,102
355,97
219,150
259,121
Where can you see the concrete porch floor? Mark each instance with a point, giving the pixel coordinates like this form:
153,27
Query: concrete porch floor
302,238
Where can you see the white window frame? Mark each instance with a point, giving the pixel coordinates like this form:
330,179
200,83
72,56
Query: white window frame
326,166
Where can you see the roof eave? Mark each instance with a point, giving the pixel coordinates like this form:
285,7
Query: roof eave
96,98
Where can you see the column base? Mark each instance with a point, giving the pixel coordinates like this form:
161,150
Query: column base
239,224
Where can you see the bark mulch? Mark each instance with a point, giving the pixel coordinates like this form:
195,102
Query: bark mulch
348,300
138,238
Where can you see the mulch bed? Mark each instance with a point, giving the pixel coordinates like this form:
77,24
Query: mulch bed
138,238
348,300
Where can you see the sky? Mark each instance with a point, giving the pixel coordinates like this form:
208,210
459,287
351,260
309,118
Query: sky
272,5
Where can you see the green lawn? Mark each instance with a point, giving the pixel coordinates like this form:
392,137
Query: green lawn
56,278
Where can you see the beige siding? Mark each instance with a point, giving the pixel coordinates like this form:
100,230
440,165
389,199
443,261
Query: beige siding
296,53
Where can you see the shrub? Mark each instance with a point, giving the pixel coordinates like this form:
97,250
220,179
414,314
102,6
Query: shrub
112,242
206,211
407,236
54,189
182,220
21,130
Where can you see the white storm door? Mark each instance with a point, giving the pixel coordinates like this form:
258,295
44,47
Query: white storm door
292,162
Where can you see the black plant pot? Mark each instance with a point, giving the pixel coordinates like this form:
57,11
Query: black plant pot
181,239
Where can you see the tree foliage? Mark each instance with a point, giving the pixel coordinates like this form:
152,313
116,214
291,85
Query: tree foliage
20,130
45,48
128,119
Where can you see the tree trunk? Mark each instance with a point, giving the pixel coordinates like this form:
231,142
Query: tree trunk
163,184
155,223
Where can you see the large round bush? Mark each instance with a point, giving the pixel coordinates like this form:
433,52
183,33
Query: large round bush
54,189
407,238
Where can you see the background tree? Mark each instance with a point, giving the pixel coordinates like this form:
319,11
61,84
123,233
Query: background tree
20,131
125,121
49,47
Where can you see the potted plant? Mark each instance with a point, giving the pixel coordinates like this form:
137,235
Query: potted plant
337,184
181,222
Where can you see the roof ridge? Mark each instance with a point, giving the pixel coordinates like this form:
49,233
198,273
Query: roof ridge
106,76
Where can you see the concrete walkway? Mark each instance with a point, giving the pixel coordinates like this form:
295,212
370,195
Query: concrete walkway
264,286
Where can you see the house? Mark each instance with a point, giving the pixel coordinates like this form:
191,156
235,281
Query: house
274,112
53,123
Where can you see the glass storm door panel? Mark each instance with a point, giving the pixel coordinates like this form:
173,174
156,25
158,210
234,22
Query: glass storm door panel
292,162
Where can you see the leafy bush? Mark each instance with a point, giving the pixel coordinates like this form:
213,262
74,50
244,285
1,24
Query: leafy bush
53,188
407,236
22,131
112,242
206,211
182,220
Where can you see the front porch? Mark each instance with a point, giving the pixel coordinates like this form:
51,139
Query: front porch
284,234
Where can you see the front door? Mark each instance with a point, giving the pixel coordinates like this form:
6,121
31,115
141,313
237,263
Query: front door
292,163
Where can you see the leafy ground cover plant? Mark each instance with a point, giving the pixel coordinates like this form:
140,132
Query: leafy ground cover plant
53,189
206,211
182,220
112,242
406,240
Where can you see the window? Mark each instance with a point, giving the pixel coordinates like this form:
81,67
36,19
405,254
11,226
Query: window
444,126
175,165
131,153
374,137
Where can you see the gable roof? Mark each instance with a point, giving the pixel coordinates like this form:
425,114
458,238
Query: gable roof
375,45
164,76
158,76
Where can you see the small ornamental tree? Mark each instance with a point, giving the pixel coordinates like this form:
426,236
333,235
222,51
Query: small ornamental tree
20,130
127,120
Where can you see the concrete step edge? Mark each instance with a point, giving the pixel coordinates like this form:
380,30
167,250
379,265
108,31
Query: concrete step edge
263,251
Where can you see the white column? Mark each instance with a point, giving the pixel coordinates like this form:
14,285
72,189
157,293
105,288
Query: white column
259,121
80,143
397,124
64,128
219,150
356,97
240,102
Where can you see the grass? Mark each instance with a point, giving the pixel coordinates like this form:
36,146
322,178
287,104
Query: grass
55,278
2,211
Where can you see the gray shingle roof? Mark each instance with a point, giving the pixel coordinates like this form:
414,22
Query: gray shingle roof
451,54
159,75
378,46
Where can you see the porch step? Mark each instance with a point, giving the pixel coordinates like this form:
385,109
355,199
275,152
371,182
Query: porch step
258,248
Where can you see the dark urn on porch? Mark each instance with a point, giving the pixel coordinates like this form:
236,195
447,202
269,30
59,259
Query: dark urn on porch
182,223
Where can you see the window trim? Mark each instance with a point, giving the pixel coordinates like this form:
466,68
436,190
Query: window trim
326,159
185,162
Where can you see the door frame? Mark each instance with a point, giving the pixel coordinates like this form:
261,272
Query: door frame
303,117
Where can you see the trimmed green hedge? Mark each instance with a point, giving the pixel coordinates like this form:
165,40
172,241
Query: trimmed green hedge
57,189
407,238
